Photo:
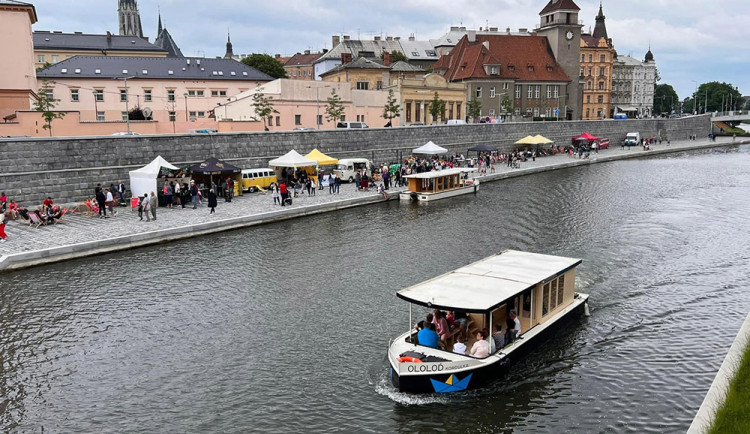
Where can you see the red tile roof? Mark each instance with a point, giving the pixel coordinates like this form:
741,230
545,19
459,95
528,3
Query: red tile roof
523,58
555,5
300,59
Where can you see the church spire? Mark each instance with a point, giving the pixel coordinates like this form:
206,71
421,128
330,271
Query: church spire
158,32
229,54
130,18
600,30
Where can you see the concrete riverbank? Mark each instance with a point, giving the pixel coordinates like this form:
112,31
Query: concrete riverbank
80,236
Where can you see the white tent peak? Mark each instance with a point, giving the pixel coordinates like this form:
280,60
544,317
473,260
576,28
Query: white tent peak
143,180
292,159
430,148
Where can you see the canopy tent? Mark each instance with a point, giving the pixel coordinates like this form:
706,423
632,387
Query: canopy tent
143,180
627,109
528,140
429,148
483,148
292,159
541,140
585,137
486,284
321,158
214,166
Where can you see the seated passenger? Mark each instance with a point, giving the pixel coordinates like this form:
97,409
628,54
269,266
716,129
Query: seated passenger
498,339
441,325
462,321
481,348
428,337
509,334
459,347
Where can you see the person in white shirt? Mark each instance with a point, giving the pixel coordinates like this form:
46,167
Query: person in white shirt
517,324
459,347
481,348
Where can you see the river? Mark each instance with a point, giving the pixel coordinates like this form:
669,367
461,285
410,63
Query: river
284,327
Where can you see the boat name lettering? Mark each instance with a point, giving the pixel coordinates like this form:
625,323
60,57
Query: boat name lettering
425,368
456,367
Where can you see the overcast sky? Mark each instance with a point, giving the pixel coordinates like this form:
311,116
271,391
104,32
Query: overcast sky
692,40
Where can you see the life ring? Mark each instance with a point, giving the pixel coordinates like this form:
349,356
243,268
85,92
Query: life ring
409,359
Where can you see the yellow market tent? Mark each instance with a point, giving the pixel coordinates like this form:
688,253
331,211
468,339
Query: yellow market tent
541,140
528,140
321,158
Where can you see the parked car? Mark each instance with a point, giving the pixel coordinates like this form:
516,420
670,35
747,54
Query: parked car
347,124
455,122
601,143
416,124
304,129
257,179
125,133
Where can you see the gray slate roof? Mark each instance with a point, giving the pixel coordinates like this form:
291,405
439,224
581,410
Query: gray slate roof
357,46
402,66
165,42
186,68
98,43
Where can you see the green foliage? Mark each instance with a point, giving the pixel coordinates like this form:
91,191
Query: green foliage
397,56
263,106
473,108
747,105
265,63
437,108
711,95
665,99
392,109
45,104
734,415
506,105
136,114
334,108
45,66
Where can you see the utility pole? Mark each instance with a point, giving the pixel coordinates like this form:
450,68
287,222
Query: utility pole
127,99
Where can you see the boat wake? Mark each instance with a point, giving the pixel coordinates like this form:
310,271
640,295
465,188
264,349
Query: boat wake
380,379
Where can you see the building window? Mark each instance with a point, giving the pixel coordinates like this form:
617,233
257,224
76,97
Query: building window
147,95
591,58
492,112
320,119
297,119
170,95
343,118
517,111
100,116
417,113
479,92
529,91
216,93
98,95
588,99
492,92
493,70
192,114
294,73
201,114
589,85
536,112
599,113
518,91
602,58
172,116
450,111
588,113
124,115
363,85
556,93
548,112
123,95
537,91
40,58
379,85
601,85
549,91
55,59
601,99
581,72
583,58
458,110
408,112
601,72
278,121
74,95
590,70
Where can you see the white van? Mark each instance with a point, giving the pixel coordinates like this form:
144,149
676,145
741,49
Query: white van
347,167
633,139
346,124
455,122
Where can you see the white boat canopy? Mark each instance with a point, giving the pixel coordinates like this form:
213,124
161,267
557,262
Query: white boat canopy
440,173
429,148
485,285
292,159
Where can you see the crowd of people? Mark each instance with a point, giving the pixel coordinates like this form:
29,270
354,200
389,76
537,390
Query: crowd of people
450,331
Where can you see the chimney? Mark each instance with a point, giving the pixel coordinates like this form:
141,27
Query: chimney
325,50
397,38
523,30
387,59
347,37
472,35
335,40
411,37
507,30
389,38
307,51
377,38
493,29
346,58
109,36
277,56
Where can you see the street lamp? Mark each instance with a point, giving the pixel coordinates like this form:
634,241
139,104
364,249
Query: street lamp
317,104
186,108
127,98
695,98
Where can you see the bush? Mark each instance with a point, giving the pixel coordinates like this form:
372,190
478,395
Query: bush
543,119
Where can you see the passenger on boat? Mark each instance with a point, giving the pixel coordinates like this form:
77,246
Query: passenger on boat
428,337
459,347
516,324
462,321
509,333
481,348
441,324
420,325
498,339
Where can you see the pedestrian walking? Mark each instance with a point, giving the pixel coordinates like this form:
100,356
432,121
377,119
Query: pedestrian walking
2,227
312,187
284,193
153,203
101,199
212,202
168,195
332,183
194,193
336,184
121,191
110,202
275,193
145,205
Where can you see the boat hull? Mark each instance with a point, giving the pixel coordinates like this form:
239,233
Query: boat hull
491,369
428,197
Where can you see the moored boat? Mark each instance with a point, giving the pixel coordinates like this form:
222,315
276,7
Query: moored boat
440,184
540,289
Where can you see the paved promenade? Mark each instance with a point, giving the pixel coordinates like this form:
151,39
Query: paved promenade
79,236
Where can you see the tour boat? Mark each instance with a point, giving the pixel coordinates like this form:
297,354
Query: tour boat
440,184
540,288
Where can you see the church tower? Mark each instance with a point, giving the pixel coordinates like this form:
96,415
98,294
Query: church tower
230,53
600,30
559,24
130,18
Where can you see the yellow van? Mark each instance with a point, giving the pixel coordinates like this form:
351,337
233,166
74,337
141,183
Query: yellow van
257,179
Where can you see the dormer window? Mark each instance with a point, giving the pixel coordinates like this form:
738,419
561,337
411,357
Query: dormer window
493,69
511,68
549,68
531,68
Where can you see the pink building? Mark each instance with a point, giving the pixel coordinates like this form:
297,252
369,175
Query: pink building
17,79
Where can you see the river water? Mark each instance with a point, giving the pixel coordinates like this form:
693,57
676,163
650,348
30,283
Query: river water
284,327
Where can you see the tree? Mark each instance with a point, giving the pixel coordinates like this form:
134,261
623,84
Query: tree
136,114
392,109
263,106
747,105
437,108
45,104
473,108
396,56
715,96
265,63
665,98
335,108
506,105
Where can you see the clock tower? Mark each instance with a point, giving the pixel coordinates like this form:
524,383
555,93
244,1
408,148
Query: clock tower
559,24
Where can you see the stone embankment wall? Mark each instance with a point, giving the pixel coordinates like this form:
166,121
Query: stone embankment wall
68,169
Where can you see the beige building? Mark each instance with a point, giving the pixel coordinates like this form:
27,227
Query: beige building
416,93
300,66
369,74
18,77
597,60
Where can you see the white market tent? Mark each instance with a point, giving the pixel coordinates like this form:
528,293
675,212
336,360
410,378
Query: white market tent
430,149
292,159
143,180
485,284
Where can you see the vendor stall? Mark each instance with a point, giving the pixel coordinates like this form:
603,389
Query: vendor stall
216,171
292,160
143,180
